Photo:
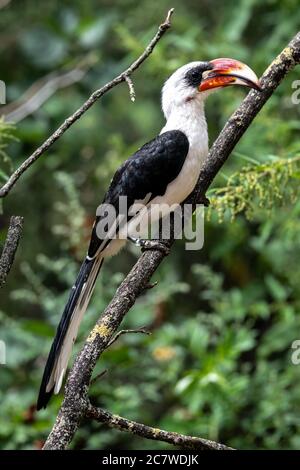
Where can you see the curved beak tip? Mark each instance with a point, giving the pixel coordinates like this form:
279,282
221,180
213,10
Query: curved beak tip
226,72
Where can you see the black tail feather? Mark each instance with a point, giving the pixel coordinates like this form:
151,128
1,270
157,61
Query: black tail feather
44,396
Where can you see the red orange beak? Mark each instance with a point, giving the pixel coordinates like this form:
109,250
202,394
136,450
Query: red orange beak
226,72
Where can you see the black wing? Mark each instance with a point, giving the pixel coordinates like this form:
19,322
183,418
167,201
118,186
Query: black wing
148,171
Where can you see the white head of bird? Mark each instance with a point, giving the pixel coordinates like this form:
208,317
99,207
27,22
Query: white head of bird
186,90
193,82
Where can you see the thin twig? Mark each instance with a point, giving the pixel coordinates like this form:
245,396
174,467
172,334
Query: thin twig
98,376
151,285
4,3
123,332
73,406
40,91
6,188
131,88
10,247
139,429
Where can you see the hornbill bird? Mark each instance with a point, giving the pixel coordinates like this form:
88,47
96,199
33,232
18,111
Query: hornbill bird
161,173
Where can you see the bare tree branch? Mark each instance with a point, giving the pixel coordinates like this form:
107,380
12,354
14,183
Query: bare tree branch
4,3
6,188
40,91
10,247
123,332
139,429
98,376
76,390
72,409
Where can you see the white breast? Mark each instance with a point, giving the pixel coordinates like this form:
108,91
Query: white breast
178,190
189,119
192,122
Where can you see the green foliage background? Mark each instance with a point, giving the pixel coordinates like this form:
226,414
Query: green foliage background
218,363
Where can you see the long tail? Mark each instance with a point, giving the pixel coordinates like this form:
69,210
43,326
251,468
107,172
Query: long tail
67,330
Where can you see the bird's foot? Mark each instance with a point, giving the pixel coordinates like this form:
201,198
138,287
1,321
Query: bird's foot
155,245
150,245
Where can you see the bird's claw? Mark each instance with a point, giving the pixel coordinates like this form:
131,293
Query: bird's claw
150,245
154,245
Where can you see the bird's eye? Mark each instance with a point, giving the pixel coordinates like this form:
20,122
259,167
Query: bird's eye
193,76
